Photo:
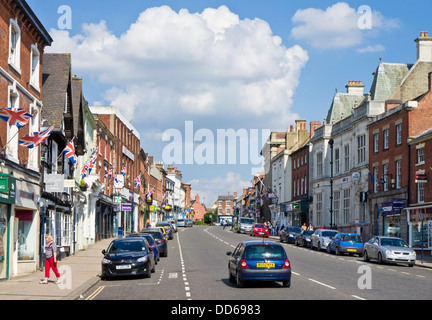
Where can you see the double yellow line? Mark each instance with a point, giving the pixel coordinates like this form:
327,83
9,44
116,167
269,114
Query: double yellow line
94,294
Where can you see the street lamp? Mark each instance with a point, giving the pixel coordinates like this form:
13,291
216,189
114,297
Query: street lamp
331,142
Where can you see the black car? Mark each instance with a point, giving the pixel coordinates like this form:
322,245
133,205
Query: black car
304,238
160,240
151,241
168,228
128,256
289,234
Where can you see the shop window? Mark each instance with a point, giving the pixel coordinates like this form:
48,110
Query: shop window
3,241
26,235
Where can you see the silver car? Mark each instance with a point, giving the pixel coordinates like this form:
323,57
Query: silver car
321,238
389,249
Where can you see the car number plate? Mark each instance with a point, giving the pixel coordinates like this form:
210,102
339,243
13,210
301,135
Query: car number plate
265,265
352,250
126,266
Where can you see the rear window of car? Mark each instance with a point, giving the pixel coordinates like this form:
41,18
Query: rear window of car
298,230
157,235
351,238
264,251
126,246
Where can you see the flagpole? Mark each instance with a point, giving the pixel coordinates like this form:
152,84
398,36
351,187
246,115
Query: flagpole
10,139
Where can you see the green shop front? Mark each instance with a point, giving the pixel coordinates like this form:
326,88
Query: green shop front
7,200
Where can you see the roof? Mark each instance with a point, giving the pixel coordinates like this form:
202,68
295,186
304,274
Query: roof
387,78
56,86
228,197
342,106
35,21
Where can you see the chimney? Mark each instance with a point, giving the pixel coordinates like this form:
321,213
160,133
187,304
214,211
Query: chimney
314,125
424,47
235,193
197,198
355,88
244,191
430,81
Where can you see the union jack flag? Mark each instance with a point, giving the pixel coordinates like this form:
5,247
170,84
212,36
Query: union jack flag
148,195
16,116
94,152
108,173
123,171
91,164
69,151
32,140
137,181
84,171
115,178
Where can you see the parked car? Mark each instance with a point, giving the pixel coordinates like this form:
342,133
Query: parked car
160,240
304,238
168,229
321,238
289,234
162,229
259,260
245,225
128,256
390,250
188,223
173,224
259,229
152,243
350,243
181,223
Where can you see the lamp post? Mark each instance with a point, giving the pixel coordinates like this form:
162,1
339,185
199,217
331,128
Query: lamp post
331,142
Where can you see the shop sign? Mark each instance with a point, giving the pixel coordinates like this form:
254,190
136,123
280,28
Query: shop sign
7,189
421,178
126,207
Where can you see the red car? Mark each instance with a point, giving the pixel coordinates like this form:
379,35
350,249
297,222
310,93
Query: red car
259,229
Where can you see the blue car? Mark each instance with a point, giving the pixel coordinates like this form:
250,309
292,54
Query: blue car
152,243
259,261
350,243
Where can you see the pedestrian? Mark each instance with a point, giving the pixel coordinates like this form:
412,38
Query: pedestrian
304,227
274,227
269,226
310,227
50,259
147,225
224,223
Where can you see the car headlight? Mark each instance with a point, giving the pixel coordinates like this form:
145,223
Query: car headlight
106,261
142,259
413,253
388,252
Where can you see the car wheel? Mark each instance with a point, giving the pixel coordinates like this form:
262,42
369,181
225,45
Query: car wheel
380,259
328,249
154,268
231,278
286,284
411,265
240,284
296,242
319,246
337,251
365,256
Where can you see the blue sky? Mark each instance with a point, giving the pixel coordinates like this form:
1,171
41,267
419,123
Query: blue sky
252,65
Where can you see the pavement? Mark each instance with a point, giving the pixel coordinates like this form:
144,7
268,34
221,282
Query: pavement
80,272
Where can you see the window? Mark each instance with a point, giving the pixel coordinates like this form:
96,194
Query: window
14,45
346,205
399,133
361,149
12,130
398,174
337,160
319,164
376,139
346,158
385,176
420,192
318,208
420,155
375,174
386,139
34,64
336,206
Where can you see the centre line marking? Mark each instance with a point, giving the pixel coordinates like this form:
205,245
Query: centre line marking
323,284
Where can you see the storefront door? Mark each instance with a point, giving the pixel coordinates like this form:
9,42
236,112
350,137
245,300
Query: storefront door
3,241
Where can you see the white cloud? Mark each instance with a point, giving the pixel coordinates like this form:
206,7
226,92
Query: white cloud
338,26
173,66
372,48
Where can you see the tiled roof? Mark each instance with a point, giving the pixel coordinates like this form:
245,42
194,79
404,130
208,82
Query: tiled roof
342,106
56,83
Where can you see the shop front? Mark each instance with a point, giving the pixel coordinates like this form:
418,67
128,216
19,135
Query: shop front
420,227
392,220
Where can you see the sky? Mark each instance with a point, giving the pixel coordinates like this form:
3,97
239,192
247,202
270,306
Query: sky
187,74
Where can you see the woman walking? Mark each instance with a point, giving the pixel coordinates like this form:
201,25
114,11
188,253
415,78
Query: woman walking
50,259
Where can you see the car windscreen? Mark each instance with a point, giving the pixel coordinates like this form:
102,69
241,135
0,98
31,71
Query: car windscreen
393,243
329,233
246,220
260,226
298,230
150,239
307,232
126,246
351,238
264,251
